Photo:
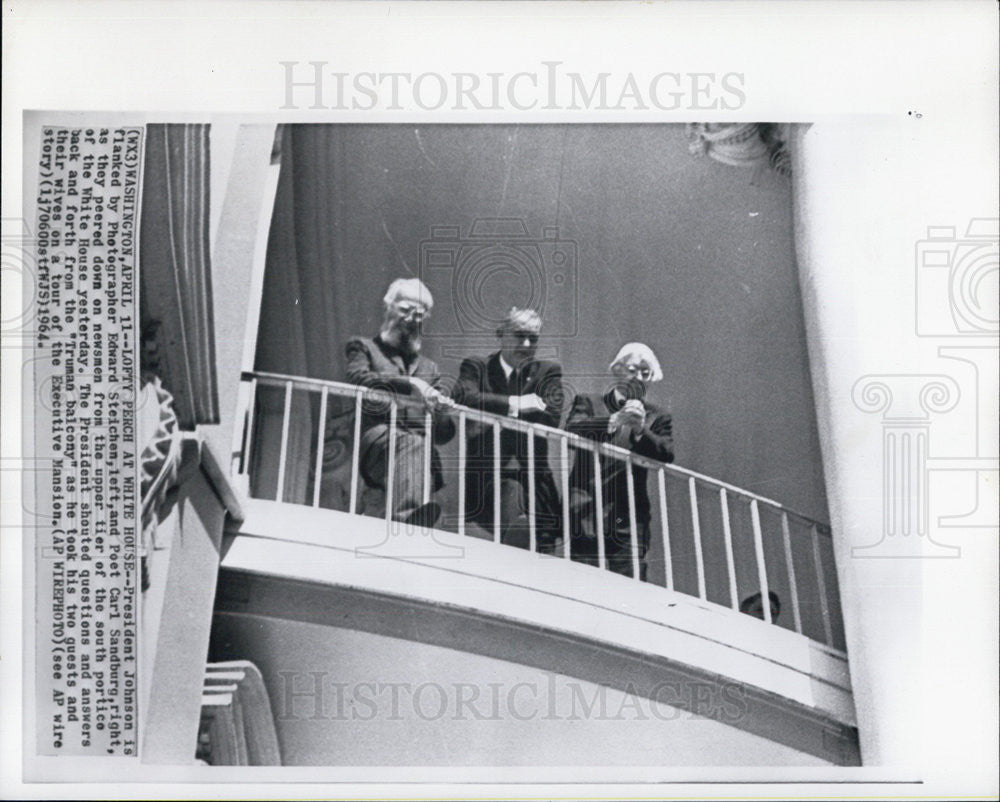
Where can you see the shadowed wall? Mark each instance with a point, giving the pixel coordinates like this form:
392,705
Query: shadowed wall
691,256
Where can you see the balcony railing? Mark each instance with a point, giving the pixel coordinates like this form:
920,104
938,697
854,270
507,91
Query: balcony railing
301,444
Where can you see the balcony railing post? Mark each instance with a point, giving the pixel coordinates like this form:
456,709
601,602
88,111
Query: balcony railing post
496,481
727,533
696,526
244,450
632,525
286,419
428,447
320,438
356,451
391,462
532,528
668,564
758,545
564,458
462,456
824,603
786,537
599,506
251,417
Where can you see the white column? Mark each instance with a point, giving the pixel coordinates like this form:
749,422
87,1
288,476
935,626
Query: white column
243,185
866,192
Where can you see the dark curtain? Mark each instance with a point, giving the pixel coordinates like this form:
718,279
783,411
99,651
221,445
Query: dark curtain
311,296
309,311
688,255
175,269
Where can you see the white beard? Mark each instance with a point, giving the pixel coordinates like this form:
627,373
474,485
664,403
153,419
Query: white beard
402,340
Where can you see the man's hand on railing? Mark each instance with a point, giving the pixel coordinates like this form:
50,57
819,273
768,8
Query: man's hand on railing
632,443
532,402
577,436
433,398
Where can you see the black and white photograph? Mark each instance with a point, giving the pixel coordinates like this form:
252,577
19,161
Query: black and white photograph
391,421
467,467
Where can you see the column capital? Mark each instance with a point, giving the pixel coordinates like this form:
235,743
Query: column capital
905,397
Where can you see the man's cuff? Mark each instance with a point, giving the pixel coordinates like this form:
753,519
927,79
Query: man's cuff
511,406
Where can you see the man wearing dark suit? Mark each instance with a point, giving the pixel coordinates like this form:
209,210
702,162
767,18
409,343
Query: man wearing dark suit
391,362
512,382
621,417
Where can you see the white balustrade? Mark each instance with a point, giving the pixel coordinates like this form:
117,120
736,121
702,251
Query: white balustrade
604,458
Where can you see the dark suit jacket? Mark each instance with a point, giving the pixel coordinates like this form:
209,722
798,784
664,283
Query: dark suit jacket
372,363
589,417
482,385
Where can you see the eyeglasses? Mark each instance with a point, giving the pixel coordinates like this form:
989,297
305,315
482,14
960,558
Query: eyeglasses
530,336
643,371
412,312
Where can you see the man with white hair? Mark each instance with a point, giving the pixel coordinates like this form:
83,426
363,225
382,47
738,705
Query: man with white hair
621,417
512,382
391,361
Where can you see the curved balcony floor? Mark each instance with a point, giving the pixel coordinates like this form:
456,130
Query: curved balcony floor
299,586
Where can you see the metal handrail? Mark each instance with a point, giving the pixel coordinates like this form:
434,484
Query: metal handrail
540,429
492,422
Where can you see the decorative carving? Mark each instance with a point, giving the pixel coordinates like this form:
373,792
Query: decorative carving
741,144
159,460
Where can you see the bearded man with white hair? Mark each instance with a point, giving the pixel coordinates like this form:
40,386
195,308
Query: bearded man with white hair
391,361
622,416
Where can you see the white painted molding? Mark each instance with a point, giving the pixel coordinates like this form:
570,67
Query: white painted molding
320,546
